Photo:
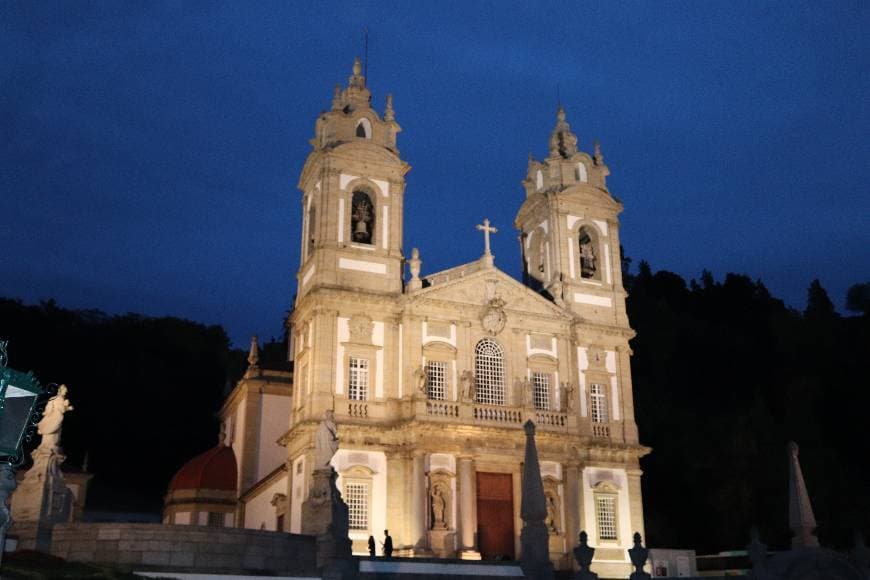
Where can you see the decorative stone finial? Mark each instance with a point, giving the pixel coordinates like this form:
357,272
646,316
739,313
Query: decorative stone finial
563,143
336,98
254,352
638,555
414,265
534,538
356,80
253,359
597,156
584,553
389,114
800,511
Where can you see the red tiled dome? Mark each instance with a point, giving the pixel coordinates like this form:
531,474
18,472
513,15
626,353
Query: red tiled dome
214,469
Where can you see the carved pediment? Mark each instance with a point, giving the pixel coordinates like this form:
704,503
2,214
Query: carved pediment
491,288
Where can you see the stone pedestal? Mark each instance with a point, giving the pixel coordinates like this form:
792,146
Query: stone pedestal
443,543
317,509
42,500
325,515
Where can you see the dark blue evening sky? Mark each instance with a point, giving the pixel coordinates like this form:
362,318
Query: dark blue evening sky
150,150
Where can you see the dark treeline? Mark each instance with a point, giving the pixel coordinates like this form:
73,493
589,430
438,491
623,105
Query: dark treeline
724,375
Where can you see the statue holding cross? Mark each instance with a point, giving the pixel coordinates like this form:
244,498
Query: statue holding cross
487,229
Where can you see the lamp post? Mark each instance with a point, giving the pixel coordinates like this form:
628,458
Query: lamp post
19,393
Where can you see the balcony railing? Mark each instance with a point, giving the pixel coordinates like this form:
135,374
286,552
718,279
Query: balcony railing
601,430
498,414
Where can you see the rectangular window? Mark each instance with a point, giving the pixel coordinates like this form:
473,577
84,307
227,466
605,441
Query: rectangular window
358,379
436,373
605,512
357,497
598,403
541,388
216,519
279,523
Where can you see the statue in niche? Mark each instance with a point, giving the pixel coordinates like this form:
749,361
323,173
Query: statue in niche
439,508
362,218
52,419
551,514
588,260
469,385
421,377
325,441
568,396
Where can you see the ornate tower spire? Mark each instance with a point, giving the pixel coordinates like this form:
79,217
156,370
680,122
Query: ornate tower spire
563,142
800,511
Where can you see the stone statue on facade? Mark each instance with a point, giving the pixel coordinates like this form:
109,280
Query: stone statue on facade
421,380
325,441
439,509
52,419
469,386
568,397
588,260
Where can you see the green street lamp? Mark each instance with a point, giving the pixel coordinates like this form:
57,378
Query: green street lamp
19,393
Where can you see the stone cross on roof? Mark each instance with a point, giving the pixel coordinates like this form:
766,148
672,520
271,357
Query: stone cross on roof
486,229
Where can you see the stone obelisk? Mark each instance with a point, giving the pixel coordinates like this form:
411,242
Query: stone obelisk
800,511
534,539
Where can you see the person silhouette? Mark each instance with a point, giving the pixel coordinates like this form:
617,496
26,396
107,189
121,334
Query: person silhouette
388,544
372,547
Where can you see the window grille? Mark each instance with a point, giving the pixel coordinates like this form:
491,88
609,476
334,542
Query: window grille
489,368
605,512
541,388
358,379
216,519
436,371
356,495
598,403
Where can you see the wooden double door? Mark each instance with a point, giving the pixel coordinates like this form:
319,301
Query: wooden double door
495,515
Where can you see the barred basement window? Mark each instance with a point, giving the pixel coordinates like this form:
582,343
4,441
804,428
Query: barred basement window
358,379
436,386
598,400
356,495
489,371
541,387
605,513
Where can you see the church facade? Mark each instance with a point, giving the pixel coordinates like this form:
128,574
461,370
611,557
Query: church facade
431,377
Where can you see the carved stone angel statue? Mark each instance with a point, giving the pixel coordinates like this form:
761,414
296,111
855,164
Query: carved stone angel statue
469,385
52,419
325,441
568,396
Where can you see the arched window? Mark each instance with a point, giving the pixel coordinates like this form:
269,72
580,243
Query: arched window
589,267
362,218
364,128
539,180
489,371
580,173
537,255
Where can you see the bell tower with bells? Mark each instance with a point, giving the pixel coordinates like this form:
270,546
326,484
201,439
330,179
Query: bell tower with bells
569,230
352,185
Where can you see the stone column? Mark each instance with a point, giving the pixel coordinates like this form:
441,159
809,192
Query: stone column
467,509
572,503
635,500
417,541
